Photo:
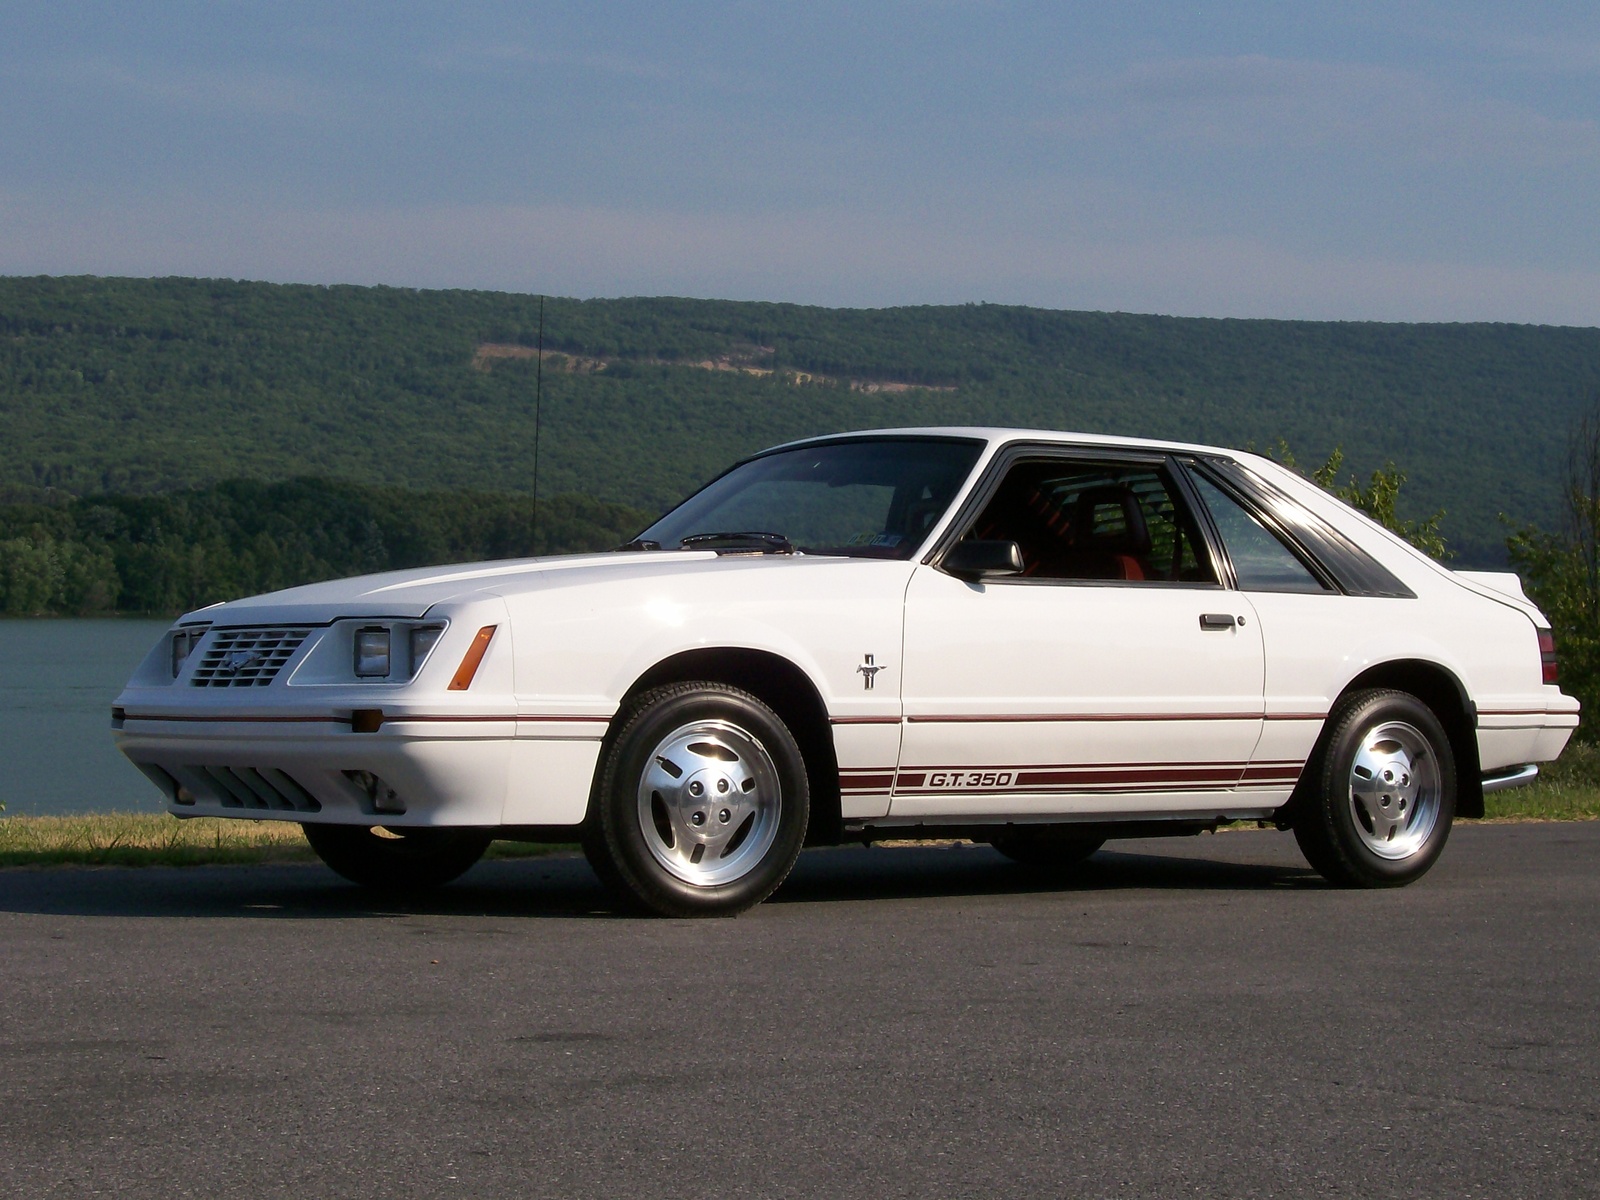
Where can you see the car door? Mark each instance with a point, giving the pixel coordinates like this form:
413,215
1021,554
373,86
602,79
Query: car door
1113,674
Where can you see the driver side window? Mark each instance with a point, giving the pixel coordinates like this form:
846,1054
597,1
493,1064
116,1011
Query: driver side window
1077,521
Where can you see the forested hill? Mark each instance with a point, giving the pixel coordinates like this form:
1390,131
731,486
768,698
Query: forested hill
122,385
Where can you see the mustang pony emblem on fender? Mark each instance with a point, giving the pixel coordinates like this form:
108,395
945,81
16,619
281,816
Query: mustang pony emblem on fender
868,670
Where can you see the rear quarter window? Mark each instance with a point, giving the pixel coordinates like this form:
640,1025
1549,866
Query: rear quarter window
1262,562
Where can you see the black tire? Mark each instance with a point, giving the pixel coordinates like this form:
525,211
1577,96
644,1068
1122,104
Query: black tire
593,843
403,861
1047,849
698,765
1380,793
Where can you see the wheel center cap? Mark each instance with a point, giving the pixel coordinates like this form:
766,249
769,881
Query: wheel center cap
1394,787
711,803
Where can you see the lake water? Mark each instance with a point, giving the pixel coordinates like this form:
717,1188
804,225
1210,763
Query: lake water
57,682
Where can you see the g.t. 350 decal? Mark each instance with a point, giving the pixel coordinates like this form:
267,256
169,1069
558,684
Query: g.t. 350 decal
970,779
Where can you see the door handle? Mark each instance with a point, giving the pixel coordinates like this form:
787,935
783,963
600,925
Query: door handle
1217,621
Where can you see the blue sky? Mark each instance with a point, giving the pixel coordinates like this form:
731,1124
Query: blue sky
1416,161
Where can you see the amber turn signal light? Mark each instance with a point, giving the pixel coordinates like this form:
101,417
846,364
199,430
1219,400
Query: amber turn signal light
366,720
474,656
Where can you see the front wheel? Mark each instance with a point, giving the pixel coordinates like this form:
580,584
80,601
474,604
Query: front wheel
702,804
1383,792
397,859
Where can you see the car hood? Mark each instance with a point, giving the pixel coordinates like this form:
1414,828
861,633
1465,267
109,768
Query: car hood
412,593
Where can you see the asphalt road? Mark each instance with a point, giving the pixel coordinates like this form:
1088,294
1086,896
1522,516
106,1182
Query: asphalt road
1196,1016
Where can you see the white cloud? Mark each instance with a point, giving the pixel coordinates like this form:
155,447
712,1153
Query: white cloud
673,75
195,90
1255,102
823,257
1543,53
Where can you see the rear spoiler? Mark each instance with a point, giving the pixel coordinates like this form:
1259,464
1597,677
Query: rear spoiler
1505,582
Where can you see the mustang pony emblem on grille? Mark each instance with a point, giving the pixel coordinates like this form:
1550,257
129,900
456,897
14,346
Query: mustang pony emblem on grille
240,660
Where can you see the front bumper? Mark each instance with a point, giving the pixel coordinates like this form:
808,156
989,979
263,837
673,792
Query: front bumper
470,771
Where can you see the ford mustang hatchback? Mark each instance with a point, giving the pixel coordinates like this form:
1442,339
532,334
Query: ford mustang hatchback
1036,640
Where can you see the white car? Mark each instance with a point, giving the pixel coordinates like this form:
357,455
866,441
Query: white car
1038,640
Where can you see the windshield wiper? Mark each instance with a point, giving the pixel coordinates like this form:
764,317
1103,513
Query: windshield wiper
640,544
763,543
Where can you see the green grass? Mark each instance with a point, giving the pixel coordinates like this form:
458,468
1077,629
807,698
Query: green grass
1568,790
146,839
158,840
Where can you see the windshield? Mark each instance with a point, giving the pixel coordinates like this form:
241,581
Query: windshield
872,498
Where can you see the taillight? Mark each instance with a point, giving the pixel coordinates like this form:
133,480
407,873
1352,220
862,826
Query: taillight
1547,655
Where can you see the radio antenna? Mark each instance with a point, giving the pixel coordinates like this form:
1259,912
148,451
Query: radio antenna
538,403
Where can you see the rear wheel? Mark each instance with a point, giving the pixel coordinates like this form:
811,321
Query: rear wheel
1047,849
397,859
703,802
1383,792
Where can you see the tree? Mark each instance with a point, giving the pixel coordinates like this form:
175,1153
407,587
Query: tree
1561,571
31,576
1379,499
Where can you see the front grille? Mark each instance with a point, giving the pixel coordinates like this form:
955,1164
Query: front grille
243,787
245,657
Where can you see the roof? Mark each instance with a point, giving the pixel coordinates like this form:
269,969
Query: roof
1000,433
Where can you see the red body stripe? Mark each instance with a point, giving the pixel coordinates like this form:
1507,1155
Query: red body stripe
1043,718
874,782
331,719
1087,777
320,720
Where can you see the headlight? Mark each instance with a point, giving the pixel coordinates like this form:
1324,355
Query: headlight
395,652
423,638
183,641
372,653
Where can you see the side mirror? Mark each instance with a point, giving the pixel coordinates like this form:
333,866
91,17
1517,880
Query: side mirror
979,560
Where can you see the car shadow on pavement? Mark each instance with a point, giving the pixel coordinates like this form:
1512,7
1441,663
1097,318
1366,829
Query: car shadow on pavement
915,872
563,885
